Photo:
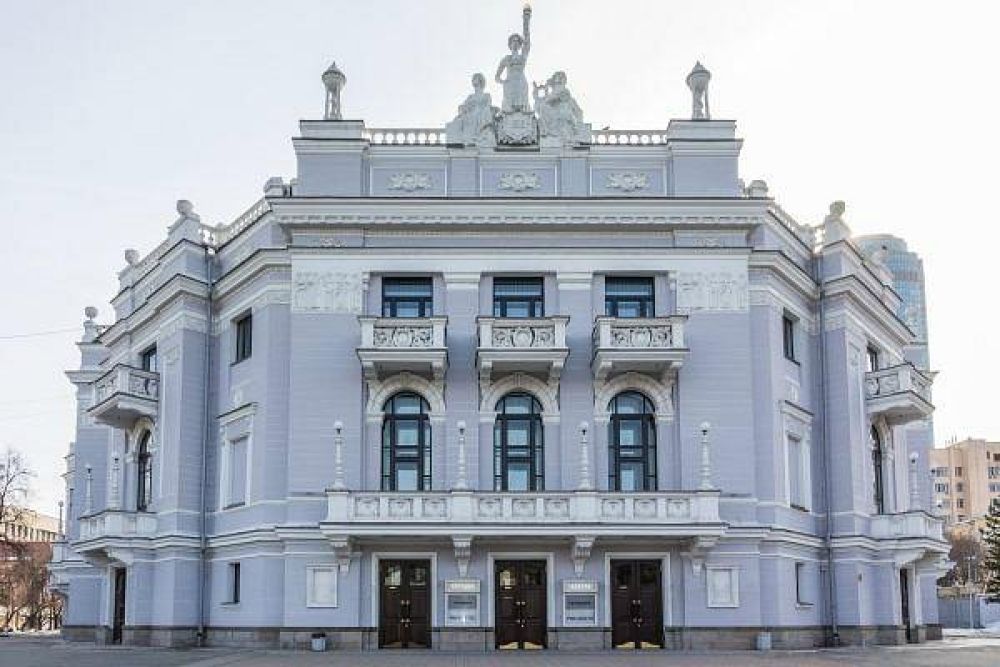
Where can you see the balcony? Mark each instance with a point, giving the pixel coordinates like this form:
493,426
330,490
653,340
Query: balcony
915,525
652,345
900,393
394,344
531,345
682,514
124,394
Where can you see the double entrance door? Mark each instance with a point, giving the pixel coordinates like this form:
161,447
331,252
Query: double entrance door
636,604
404,609
520,604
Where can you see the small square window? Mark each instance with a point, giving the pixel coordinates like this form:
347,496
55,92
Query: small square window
407,297
321,586
234,583
788,336
723,587
244,338
872,359
518,297
628,297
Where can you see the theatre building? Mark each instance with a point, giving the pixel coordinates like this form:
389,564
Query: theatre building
510,383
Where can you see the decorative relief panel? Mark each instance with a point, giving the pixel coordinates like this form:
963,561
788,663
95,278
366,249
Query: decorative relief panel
519,181
628,181
326,292
410,181
403,336
711,291
524,336
642,336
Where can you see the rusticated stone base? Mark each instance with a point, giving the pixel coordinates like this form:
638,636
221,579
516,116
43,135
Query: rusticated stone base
482,639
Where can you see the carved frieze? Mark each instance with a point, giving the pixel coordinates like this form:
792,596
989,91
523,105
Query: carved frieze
519,181
326,292
642,336
407,336
410,181
524,336
711,291
627,181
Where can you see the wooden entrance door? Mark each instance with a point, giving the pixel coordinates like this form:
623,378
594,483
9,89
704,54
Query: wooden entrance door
904,602
118,618
520,604
405,604
636,604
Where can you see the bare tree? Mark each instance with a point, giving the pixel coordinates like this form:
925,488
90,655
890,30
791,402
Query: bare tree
964,544
15,479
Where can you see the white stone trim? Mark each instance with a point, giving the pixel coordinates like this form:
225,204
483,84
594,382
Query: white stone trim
379,391
734,587
310,575
545,392
659,392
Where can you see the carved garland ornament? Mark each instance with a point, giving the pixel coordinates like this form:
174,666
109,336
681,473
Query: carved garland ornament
410,181
519,181
628,181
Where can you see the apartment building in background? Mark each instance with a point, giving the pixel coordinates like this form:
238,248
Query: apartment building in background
966,478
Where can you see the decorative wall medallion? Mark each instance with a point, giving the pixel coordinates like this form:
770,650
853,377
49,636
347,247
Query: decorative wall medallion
517,128
628,181
519,181
326,292
711,291
410,181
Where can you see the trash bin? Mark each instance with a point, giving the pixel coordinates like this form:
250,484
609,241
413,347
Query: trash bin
763,641
319,641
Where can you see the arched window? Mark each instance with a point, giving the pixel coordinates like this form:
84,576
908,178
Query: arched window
632,443
878,488
144,487
518,444
406,444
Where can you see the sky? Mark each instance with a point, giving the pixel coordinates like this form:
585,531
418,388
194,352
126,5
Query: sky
112,110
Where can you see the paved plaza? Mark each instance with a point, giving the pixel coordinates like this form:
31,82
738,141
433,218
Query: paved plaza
52,652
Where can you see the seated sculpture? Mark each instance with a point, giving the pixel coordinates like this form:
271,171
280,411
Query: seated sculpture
474,123
559,116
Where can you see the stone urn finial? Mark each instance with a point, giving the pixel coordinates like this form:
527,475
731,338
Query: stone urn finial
90,312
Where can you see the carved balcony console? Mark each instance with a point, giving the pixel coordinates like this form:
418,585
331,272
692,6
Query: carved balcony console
900,394
652,345
395,344
113,534
124,394
655,514
530,345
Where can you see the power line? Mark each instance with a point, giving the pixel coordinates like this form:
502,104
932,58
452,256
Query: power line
35,334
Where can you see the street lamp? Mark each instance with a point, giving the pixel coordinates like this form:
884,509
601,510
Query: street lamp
972,587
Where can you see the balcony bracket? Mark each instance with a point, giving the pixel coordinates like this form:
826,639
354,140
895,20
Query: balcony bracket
463,551
343,551
582,545
697,552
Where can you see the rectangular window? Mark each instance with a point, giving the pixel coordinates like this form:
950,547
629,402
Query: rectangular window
723,587
800,584
959,487
237,473
798,474
518,297
958,472
788,336
147,360
994,487
996,457
872,358
234,583
961,503
994,472
628,297
407,297
321,586
941,488
244,338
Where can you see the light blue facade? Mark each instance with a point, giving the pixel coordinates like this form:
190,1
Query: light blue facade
763,525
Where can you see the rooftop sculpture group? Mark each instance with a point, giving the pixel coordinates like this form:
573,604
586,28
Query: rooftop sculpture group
549,117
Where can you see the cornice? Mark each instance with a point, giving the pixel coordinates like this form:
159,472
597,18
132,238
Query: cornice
175,288
855,290
782,266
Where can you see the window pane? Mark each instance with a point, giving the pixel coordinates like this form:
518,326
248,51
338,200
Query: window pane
407,433
238,472
407,475
629,433
407,287
518,475
407,309
517,287
407,404
630,476
518,434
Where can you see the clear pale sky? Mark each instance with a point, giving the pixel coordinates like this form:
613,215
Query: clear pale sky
111,111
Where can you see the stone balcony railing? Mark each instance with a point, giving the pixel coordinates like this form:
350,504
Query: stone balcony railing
115,524
490,513
534,345
899,393
644,344
907,525
124,394
393,344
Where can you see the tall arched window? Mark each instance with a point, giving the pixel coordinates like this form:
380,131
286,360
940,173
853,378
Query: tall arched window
144,486
518,444
878,488
632,443
406,444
